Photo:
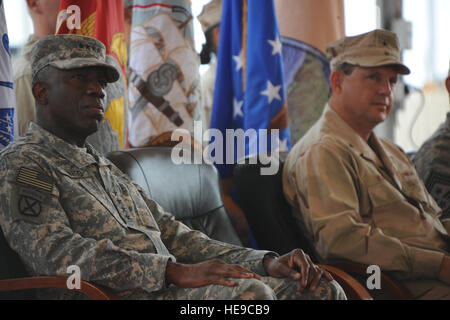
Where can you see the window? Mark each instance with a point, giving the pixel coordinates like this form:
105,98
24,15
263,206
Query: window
426,107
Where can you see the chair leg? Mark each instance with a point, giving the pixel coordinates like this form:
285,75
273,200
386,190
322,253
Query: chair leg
87,288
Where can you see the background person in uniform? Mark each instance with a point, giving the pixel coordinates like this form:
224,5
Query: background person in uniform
357,196
210,20
62,204
43,14
432,162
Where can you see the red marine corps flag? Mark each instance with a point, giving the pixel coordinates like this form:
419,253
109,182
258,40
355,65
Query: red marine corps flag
103,20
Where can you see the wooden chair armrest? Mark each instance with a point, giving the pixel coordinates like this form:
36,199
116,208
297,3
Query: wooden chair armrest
398,290
353,289
87,288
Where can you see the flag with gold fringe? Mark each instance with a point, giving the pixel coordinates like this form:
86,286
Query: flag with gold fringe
103,20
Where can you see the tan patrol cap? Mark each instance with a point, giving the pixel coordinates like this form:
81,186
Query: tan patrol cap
70,51
211,15
372,49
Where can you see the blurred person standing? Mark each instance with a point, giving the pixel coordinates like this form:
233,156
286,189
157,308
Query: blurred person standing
43,14
210,20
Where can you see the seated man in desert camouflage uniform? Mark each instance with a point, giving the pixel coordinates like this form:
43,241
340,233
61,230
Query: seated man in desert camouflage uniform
357,196
62,204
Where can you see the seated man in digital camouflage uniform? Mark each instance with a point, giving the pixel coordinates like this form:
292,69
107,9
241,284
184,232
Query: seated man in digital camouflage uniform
62,204
358,197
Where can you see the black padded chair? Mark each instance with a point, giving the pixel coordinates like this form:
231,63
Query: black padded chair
269,216
191,192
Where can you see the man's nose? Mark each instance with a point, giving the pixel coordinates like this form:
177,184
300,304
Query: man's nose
95,87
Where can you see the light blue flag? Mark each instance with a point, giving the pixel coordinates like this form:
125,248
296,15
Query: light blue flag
7,95
249,91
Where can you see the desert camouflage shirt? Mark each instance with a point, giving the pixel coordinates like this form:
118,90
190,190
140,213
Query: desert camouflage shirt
62,206
364,203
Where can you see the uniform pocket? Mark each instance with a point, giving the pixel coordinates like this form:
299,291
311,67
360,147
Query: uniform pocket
383,194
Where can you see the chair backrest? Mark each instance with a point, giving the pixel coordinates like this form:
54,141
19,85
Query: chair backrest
10,264
267,211
191,192
12,267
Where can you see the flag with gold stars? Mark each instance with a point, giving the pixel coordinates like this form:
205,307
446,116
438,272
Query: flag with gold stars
7,96
249,91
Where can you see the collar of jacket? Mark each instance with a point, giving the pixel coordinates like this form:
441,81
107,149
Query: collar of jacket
337,127
32,39
68,151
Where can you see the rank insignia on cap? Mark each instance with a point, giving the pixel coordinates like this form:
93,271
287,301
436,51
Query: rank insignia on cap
35,179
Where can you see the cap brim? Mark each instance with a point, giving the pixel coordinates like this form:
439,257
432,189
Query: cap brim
401,68
380,62
112,75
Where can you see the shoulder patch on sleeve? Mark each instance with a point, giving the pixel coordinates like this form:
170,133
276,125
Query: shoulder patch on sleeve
35,179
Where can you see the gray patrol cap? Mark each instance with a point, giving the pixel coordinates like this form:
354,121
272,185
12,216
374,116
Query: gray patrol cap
211,15
70,51
372,49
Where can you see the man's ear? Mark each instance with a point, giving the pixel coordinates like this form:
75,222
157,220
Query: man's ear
336,78
128,14
40,93
447,84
